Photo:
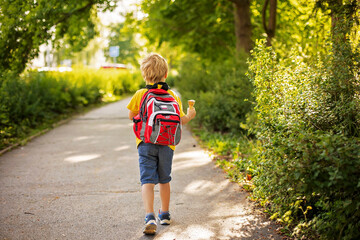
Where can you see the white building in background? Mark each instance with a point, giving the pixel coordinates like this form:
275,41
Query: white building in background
45,58
48,59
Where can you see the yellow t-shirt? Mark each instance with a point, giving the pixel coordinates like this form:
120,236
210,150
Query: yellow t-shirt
134,106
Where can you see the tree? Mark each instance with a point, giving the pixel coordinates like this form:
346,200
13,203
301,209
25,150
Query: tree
344,82
271,26
204,27
243,27
122,35
243,30
26,24
211,28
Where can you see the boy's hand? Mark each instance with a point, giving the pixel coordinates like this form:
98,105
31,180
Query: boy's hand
191,113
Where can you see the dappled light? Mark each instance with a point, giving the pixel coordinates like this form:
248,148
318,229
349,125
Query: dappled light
195,231
205,187
276,128
109,126
82,138
95,171
191,154
122,148
211,206
82,158
190,159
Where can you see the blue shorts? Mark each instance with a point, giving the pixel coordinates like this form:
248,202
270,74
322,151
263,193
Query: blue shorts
155,163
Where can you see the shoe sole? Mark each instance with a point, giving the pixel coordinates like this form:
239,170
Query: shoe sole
164,222
150,229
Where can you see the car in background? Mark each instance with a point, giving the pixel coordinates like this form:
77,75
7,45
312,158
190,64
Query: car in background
113,66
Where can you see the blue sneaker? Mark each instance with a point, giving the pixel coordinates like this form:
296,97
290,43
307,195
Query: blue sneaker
150,225
164,218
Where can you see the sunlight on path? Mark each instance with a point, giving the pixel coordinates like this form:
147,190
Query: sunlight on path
81,181
82,158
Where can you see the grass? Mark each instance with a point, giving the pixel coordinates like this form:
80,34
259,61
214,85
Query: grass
233,153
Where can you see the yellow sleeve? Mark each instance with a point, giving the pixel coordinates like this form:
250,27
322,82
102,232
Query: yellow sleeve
134,103
178,100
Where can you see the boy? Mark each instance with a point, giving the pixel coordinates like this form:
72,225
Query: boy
155,160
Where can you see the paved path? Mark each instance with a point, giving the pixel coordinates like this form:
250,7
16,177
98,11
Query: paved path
81,181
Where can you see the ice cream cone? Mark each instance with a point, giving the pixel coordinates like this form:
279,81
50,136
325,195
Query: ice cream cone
191,103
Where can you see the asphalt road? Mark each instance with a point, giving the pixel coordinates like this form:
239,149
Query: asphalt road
81,181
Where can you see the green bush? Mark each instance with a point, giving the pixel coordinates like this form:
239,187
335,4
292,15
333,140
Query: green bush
309,157
221,90
38,97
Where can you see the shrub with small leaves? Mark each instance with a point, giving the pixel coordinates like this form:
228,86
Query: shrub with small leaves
310,145
222,92
38,97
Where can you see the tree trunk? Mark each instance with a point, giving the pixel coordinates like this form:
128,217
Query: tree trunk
272,19
243,29
270,28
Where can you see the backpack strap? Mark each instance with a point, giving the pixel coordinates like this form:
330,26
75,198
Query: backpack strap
164,86
142,107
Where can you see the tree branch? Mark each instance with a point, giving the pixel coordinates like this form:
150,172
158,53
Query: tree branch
235,1
186,30
239,2
69,14
263,11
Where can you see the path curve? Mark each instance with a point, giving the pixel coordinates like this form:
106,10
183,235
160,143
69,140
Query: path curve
81,181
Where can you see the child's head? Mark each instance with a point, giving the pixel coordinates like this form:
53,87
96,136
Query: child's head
154,68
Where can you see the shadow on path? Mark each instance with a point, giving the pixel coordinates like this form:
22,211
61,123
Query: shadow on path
81,181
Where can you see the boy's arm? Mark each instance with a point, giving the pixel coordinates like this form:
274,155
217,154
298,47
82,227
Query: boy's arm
191,113
133,105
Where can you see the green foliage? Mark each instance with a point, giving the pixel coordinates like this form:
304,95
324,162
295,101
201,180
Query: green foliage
124,37
25,25
235,153
299,26
309,118
36,98
305,160
221,90
202,27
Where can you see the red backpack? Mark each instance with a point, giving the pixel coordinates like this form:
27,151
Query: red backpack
158,121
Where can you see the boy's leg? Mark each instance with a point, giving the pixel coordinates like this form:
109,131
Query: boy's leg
148,174
148,159
164,215
165,196
164,170
147,192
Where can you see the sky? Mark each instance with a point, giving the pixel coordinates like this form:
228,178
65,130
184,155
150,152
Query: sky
122,6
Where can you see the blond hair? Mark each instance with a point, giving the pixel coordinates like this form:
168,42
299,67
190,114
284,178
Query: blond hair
153,68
